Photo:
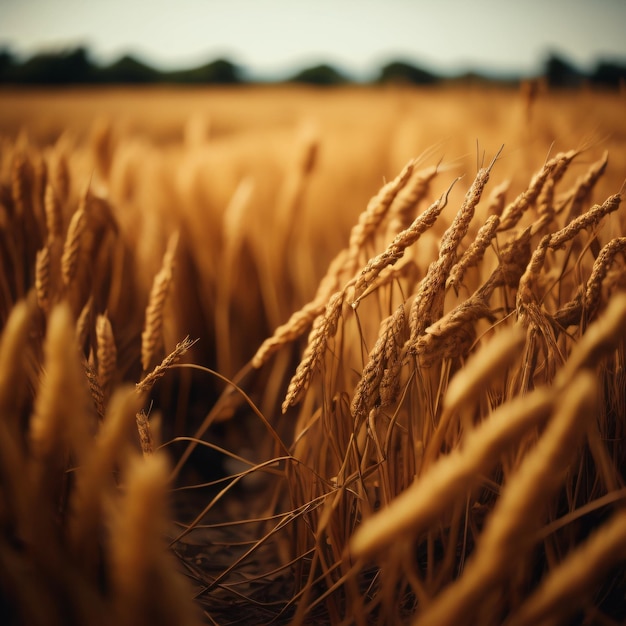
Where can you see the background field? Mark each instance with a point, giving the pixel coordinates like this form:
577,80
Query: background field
214,214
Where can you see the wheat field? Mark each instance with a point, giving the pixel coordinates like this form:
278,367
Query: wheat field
277,355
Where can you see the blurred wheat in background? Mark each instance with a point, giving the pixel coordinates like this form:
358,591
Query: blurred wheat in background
279,355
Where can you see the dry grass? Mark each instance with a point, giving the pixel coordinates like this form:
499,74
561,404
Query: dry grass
404,401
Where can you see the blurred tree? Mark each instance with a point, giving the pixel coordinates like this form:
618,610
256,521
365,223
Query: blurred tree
128,70
561,73
54,68
319,75
405,73
609,74
219,72
7,64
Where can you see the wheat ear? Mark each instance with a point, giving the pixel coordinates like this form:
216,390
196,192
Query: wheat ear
60,177
585,186
171,359
376,210
106,352
427,300
151,335
402,209
301,320
17,499
474,254
423,503
71,248
20,184
95,482
554,167
42,278
54,215
591,218
570,583
396,248
324,328
519,511
378,382
346,262
61,418
144,582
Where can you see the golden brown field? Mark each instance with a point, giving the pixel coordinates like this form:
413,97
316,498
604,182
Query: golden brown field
292,356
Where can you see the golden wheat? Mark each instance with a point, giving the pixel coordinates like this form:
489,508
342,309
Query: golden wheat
453,439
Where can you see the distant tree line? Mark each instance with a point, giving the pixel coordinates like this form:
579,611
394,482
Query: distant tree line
74,67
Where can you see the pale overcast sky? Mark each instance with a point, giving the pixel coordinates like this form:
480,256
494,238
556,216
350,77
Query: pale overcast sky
275,36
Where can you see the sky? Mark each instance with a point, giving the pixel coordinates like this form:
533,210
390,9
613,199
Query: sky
274,37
